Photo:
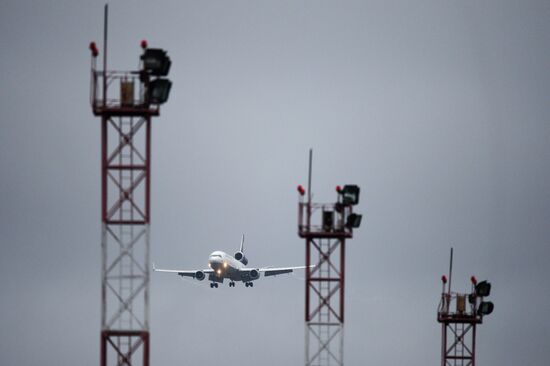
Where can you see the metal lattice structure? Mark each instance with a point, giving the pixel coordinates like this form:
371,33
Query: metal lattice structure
459,315
325,229
324,314
122,102
458,331
125,238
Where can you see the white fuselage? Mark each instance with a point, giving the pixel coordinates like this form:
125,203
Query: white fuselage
225,265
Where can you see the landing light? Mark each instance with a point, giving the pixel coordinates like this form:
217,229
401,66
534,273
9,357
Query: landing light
350,194
224,264
159,89
354,221
485,308
155,61
483,289
219,271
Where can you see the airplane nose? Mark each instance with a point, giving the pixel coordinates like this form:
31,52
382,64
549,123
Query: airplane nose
214,262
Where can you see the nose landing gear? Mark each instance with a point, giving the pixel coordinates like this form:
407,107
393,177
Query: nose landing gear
249,284
231,284
213,285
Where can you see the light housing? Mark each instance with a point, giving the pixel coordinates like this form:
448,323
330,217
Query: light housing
485,308
158,91
156,62
93,49
350,194
483,289
354,220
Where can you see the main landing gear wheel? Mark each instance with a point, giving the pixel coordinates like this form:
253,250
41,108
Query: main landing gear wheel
249,284
213,284
231,284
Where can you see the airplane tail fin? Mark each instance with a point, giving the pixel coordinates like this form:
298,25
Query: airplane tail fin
242,244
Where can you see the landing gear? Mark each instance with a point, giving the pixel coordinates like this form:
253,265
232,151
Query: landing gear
213,285
231,284
249,284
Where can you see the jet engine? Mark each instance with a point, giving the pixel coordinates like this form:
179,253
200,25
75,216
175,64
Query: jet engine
241,258
254,274
199,275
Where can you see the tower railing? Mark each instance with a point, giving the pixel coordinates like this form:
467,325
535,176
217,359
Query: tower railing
125,93
336,228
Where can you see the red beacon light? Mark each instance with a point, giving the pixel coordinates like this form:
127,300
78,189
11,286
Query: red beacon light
474,280
444,279
93,49
301,190
143,43
339,189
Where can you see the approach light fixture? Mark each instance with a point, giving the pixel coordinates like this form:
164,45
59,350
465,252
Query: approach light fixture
156,62
485,308
159,89
350,194
483,289
354,220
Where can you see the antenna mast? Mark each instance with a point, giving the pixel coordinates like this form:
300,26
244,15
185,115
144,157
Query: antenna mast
450,272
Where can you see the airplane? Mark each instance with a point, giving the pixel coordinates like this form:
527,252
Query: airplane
224,266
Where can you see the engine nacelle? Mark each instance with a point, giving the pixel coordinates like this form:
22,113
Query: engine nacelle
241,258
199,275
254,274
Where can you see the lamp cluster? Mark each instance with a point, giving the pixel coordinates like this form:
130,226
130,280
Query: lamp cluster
478,306
350,197
481,290
155,64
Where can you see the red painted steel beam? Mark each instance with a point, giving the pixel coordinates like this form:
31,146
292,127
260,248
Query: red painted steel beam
342,276
325,279
126,112
147,170
308,276
104,142
325,235
126,222
127,167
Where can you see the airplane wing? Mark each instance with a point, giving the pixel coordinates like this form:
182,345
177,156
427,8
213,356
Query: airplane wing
270,271
186,273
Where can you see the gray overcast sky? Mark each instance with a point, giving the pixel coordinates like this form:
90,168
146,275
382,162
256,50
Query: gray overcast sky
439,110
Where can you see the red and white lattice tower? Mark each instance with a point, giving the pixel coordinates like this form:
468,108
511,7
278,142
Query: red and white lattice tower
122,102
459,315
325,227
